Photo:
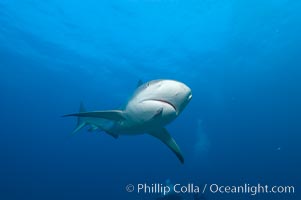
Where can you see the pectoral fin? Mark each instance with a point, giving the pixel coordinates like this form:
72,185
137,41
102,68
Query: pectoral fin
165,137
115,115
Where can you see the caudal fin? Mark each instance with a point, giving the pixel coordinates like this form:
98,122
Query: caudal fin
80,120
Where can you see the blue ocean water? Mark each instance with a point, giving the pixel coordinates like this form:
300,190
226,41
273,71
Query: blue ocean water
240,58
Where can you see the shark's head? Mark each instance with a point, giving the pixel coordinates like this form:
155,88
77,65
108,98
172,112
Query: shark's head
171,92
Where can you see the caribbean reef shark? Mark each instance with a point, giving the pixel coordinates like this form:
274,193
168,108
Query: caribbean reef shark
153,105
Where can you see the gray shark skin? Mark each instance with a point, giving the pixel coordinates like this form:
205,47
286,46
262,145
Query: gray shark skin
153,105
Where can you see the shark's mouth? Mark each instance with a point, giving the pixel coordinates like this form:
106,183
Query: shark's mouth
167,102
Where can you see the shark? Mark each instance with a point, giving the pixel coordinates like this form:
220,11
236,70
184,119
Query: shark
153,105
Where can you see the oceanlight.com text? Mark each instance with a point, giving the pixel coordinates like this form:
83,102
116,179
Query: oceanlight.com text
251,189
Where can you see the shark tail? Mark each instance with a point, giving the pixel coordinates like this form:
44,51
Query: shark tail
81,122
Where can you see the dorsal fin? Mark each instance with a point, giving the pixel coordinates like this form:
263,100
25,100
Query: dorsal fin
139,83
80,121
